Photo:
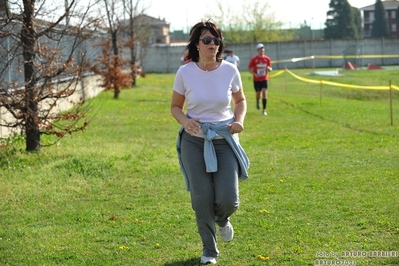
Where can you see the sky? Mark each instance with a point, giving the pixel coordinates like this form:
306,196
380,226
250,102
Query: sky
182,14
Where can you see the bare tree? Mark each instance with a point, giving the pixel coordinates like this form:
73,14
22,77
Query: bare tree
37,43
110,64
132,11
128,27
4,6
136,31
139,32
111,12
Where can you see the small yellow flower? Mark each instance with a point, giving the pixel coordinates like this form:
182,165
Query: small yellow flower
263,258
264,211
281,181
123,247
137,221
157,245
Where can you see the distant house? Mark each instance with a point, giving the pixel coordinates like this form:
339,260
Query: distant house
159,29
390,9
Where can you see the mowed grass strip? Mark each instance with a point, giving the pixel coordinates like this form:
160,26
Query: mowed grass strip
323,181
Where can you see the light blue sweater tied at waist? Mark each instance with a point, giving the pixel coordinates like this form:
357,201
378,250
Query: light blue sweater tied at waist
211,131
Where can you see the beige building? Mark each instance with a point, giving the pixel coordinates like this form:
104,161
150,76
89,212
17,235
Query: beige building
159,29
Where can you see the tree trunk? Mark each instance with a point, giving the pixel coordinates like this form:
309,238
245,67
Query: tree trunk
133,68
28,40
116,65
116,92
117,70
132,49
114,35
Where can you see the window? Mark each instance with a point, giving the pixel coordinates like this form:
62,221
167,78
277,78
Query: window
393,13
393,27
371,17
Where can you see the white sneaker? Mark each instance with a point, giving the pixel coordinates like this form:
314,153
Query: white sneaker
226,232
264,113
208,260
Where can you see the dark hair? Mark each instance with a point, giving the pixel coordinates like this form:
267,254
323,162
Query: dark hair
195,34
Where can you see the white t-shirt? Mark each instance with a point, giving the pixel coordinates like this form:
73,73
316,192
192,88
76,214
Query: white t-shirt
208,93
233,59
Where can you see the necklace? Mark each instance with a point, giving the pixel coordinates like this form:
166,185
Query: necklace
212,67
209,62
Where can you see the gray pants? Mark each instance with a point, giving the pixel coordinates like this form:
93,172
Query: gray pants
214,196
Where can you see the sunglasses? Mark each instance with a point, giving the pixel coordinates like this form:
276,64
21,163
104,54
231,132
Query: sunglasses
207,40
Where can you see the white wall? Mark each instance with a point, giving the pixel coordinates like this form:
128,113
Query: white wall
166,59
91,89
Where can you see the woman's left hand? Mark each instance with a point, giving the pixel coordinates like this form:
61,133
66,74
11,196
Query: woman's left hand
236,127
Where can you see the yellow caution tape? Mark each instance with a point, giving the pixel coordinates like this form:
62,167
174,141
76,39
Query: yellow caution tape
336,83
358,56
293,60
277,74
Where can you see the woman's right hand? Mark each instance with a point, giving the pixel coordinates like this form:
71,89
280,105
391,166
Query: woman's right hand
191,126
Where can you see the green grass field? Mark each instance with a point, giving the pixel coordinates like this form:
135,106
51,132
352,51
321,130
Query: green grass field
323,182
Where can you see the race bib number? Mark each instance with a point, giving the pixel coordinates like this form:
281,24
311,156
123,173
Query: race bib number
261,70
